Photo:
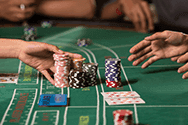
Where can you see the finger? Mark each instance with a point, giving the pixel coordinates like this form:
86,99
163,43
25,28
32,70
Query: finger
141,59
183,58
74,55
175,58
47,75
142,19
140,53
150,61
53,69
185,75
29,11
139,46
158,35
183,68
136,21
147,11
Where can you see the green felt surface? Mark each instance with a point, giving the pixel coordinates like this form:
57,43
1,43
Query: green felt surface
159,85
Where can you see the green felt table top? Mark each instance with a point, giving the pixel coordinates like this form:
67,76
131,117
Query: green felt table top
159,85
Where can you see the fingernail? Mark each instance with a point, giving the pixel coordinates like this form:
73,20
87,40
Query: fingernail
147,37
178,61
179,71
183,77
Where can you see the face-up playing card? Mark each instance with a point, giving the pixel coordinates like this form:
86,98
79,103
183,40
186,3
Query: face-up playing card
122,94
120,101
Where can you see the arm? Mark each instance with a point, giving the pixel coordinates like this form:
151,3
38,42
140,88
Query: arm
10,48
35,54
67,8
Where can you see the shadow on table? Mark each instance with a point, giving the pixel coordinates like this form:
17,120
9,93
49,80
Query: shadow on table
124,82
131,81
163,69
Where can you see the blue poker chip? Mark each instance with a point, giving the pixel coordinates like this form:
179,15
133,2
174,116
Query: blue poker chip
52,100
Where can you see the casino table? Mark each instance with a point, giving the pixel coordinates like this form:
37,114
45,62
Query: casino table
160,86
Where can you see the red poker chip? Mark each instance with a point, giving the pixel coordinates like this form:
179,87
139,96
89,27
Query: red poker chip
113,84
123,116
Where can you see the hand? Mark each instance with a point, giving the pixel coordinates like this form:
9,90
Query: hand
162,45
138,12
10,9
40,56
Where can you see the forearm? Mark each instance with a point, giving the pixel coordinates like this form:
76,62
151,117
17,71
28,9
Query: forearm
10,48
78,9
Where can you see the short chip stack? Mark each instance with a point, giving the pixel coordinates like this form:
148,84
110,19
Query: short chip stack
76,75
30,33
46,24
123,117
91,73
84,42
62,66
113,72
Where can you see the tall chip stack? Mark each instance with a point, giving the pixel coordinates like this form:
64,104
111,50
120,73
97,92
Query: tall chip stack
113,72
123,117
91,73
62,66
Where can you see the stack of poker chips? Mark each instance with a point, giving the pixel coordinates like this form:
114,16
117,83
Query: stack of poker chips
76,75
113,72
62,66
84,42
77,79
46,24
123,117
91,73
30,33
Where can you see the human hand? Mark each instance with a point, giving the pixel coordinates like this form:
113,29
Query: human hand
138,12
10,9
40,56
160,45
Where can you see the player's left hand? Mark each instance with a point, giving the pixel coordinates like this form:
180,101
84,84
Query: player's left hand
40,56
160,45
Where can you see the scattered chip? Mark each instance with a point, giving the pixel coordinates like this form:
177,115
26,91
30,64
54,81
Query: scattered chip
30,33
84,42
46,24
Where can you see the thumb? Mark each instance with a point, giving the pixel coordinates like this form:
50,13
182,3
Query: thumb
74,55
54,49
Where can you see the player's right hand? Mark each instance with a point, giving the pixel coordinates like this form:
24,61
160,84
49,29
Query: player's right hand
10,9
160,45
40,56
138,12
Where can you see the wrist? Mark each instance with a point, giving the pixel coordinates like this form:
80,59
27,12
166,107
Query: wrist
18,49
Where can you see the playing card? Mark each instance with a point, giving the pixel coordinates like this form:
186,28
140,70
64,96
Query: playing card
120,101
121,94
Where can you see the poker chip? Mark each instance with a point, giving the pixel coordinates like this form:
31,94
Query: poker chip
77,64
77,79
46,24
84,42
91,73
62,67
123,117
113,72
30,33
